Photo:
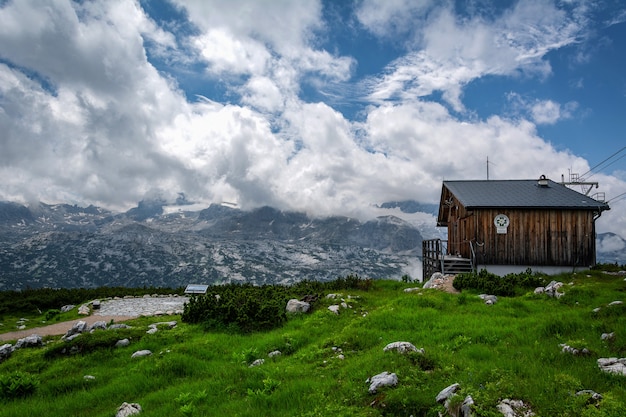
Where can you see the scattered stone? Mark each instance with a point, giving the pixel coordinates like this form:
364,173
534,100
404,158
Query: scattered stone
447,392
101,325
596,310
402,347
574,351
384,379
615,303
122,343
488,299
126,410
152,330
141,353
591,393
607,336
334,308
297,306
540,290
89,378
67,308
412,289
613,365
77,328
119,326
257,362
514,408
334,296
72,337
84,310
274,354
34,340
552,289
5,351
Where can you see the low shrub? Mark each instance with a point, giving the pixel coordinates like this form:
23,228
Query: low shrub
489,283
17,385
246,308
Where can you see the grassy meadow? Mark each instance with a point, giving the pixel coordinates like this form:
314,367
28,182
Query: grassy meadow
506,350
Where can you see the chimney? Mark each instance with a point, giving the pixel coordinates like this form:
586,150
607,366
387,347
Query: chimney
542,181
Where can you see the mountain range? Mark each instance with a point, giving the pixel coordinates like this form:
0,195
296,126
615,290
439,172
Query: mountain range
171,245
153,244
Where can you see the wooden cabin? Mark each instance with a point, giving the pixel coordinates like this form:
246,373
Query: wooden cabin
509,226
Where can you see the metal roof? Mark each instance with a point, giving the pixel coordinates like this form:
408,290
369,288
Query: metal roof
520,194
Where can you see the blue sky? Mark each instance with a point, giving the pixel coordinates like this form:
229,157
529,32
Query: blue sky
330,107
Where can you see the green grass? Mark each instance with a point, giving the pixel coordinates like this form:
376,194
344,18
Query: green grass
506,350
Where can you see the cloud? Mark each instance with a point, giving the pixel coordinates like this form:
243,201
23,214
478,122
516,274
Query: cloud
88,115
453,52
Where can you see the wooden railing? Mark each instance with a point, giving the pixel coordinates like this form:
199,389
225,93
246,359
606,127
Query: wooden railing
435,258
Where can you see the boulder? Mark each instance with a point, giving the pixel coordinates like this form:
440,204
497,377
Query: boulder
613,365
95,304
84,310
574,351
34,340
5,351
402,347
594,396
435,279
514,408
67,308
384,379
489,299
334,308
297,306
552,289
447,392
126,410
122,343
257,362
607,336
141,353
77,328
274,354
101,325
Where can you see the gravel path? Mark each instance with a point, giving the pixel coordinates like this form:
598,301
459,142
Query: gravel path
60,328
118,310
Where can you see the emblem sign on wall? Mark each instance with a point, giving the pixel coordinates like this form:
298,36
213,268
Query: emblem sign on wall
501,221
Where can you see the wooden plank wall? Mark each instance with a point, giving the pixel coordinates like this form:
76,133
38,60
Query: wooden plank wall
534,237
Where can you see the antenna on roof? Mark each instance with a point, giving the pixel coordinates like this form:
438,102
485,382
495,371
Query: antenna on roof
488,167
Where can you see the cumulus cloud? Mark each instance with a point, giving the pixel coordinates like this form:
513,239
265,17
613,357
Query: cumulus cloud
88,115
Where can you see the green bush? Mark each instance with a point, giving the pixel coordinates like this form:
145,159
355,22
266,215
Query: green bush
246,308
489,283
238,306
17,385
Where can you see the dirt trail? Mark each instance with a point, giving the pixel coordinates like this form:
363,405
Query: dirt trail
61,328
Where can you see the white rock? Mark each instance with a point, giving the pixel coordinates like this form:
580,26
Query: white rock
613,365
141,353
297,306
126,410
257,362
384,379
334,308
447,392
402,347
